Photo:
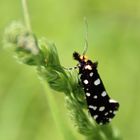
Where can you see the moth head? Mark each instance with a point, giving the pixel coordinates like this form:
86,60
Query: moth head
80,58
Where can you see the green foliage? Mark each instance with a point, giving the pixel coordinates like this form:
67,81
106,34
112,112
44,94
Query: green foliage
43,55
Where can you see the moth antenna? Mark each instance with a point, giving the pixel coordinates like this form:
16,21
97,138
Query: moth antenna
86,36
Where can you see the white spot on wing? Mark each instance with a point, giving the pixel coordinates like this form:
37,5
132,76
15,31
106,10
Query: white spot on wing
95,117
91,74
106,113
100,123
114,112
112,101
88,67
109,119
95,97
86,82
88,94
97,82
92,107
103,94
101,108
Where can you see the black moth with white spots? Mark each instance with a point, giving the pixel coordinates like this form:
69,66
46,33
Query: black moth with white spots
101,107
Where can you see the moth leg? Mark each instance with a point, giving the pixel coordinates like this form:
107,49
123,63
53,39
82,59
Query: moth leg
95,64
71,68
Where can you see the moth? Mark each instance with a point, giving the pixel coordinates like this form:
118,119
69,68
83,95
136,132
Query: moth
101,107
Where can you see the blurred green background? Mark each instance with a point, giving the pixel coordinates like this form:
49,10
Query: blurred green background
114,40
